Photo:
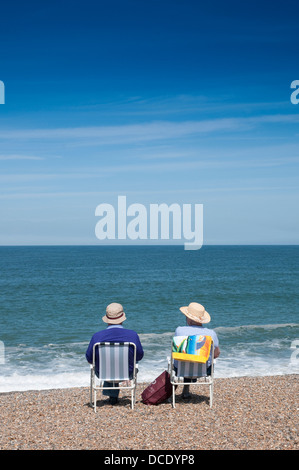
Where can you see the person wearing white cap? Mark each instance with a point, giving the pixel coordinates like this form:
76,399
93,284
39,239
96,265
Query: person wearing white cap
114,317
196,315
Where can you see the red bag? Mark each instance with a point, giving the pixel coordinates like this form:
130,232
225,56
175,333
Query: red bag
158,391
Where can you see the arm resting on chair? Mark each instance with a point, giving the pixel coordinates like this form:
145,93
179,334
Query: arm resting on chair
216,352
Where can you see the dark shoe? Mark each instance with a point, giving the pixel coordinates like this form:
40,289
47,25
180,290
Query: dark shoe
186,393
113,400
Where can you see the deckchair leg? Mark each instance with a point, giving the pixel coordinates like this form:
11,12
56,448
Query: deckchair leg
135,393
173,396
211,395
90,393
95,401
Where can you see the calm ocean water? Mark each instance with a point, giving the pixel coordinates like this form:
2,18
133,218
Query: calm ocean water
53,298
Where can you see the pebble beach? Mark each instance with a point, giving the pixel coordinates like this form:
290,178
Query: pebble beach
249,413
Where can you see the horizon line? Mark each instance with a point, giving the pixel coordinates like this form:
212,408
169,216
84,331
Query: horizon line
145,245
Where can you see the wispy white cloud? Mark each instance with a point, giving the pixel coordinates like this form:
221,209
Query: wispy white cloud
144,131
148,131
145,192
20,157
159,166
177,105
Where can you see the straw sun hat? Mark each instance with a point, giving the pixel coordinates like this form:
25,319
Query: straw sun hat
196,312
114,314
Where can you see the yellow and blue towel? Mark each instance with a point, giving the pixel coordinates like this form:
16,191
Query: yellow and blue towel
194,348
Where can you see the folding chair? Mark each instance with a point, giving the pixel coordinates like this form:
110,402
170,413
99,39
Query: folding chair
113,360
181,370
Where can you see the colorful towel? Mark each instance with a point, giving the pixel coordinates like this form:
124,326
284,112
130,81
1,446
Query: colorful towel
191,348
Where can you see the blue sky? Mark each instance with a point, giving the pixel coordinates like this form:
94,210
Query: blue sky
161,101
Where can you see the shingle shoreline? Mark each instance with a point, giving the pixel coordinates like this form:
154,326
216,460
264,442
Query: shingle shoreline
248,413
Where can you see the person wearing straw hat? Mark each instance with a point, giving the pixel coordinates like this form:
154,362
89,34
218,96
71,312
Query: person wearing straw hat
197,316
114,318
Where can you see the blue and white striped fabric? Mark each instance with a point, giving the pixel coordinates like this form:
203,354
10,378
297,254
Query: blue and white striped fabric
114,361
191,369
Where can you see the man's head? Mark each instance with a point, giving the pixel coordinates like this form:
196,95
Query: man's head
115,314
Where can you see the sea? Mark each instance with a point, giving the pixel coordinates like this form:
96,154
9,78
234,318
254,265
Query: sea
53,298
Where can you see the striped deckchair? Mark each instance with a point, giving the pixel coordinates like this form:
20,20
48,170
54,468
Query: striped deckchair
113,360
180,371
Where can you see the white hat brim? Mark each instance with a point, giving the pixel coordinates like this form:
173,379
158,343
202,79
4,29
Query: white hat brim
205,318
